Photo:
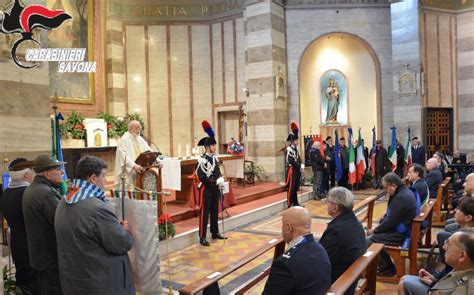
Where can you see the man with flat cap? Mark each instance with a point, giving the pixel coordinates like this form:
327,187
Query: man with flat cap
39,206
12,208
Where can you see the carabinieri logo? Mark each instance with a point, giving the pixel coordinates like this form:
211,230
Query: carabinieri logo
23,20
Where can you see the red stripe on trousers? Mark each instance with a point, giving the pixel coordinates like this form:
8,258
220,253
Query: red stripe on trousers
202,210
289,181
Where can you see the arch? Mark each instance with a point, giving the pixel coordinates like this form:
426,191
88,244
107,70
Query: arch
375,60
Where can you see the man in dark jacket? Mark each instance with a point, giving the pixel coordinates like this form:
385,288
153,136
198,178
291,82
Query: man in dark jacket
434,177
317,165
211,181
395,224
415,175
344,238
92,243
12,208
39,205
304,268
418,152
381,163
331,160
345,164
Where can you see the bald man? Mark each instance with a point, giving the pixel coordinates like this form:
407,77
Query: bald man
129,147
434,177
304,268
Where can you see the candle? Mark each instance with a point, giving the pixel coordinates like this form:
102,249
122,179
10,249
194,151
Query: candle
179,150
188,150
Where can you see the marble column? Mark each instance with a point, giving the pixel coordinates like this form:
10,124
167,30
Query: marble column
267,117
117,104
407,108
465,74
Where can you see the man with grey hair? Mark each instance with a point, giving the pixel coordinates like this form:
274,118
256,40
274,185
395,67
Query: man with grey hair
304,268
460,255
396,223
317,164
344,238
434,177
12,208
39,206
129,147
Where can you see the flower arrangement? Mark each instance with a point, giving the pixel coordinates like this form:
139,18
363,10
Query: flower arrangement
235,148
166,221
74,125
112,124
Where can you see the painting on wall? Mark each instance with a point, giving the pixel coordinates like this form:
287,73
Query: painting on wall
333,98
75,33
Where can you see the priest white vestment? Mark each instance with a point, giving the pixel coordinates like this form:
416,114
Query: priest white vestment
129,148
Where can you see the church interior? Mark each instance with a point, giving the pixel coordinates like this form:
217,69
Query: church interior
324,71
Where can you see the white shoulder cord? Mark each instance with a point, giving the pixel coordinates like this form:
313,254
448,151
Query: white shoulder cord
206,166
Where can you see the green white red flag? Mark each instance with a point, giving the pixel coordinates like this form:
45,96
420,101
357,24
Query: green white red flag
361,165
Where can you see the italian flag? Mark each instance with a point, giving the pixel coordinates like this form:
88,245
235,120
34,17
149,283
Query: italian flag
408,158
352,167
361,165
392,156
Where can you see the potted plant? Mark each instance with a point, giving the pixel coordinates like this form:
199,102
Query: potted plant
166,226
74,127
112,134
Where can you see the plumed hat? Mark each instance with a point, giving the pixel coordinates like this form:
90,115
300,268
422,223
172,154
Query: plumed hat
207,141
294,132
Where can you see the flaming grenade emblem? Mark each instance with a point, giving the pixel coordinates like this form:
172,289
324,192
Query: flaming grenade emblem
23,20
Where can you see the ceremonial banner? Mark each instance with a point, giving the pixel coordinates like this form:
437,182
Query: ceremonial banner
171,174
337,157
408,158
392,156
374,152
361,165
352,166
142,217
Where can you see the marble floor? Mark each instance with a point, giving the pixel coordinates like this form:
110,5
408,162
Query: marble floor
190,264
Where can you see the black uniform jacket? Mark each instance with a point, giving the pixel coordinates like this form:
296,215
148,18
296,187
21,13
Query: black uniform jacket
302,270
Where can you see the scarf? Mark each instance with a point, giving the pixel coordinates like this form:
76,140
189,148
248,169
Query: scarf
81,190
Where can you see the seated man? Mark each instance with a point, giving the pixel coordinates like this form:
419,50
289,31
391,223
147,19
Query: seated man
415,174
344,238
304,268
396,223
434,177
460,255
464,218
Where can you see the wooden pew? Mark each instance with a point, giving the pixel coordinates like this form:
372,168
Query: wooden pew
368,216
364,269
398,256
443,189
279,246
197,286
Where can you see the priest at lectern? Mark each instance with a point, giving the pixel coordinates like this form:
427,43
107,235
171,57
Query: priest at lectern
129,147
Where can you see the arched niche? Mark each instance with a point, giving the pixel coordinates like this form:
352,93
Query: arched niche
357,61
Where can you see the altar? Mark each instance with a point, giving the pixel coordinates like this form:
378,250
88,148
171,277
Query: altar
179,175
